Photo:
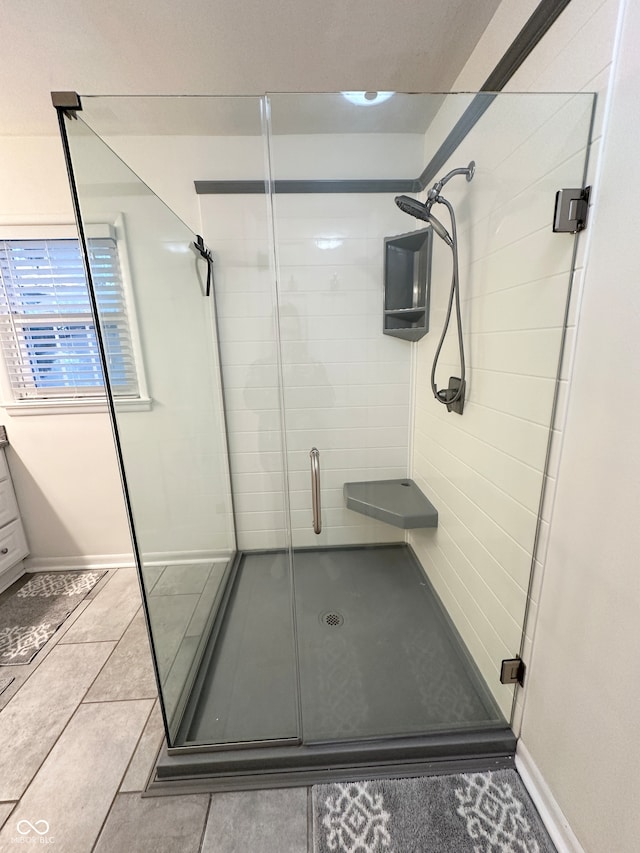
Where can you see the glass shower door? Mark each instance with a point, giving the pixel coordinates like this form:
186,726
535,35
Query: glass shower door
347,395
171,427
402,629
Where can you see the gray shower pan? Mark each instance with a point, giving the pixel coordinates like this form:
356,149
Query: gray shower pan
373,680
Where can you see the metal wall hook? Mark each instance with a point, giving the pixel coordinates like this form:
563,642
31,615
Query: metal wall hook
203,250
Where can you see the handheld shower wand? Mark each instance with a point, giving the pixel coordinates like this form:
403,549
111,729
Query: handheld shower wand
452,396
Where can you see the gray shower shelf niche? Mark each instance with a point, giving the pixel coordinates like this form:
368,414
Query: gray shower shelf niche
407,274
398,502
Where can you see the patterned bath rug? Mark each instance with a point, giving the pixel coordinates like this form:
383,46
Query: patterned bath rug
36,609
470,813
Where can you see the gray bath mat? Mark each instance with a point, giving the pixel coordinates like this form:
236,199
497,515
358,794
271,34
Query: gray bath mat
474,813
5,682
36,609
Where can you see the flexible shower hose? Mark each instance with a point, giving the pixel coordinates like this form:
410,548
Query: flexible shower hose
442,396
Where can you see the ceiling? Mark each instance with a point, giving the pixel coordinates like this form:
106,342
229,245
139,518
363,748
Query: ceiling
241,116
240,47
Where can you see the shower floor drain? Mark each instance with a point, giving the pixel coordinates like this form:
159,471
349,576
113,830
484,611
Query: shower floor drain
332,619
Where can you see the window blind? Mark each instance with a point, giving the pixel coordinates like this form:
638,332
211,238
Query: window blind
47,333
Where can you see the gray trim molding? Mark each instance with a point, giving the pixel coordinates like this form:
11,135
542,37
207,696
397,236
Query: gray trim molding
403,185
269,766
540,22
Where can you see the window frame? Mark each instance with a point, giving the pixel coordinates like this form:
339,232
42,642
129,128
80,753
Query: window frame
113,226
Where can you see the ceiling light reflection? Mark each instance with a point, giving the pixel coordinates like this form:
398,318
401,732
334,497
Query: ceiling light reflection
367,99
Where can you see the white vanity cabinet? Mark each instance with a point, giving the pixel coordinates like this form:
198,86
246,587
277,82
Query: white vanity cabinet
13,543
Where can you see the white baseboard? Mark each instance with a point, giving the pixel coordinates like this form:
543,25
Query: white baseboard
84,561
120,561
554,820
11,575
175,558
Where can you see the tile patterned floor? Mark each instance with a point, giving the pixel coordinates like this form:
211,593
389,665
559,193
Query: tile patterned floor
80,728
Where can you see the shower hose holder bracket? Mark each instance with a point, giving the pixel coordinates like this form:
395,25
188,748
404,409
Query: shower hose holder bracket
572,206
448,394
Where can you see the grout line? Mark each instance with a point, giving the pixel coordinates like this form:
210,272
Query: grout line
426,412
466,614
35,668
13,804
467,528
454,566
117,643
484,512
455,602
117,791
309,820
453,539
529,281
547,427
89,642
135,749
506,372
518,331
153,698
154,763
206,821
104,580
478,473
50,750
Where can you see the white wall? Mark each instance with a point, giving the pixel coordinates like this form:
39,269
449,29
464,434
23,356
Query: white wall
589,605
175,452
484,470
580,707
63,466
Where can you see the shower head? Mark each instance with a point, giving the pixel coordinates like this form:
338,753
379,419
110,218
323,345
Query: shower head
413,207
423,211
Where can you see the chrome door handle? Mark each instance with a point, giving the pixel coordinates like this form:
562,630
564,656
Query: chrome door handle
315,489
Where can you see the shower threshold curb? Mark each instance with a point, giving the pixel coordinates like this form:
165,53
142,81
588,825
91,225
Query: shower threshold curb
300,765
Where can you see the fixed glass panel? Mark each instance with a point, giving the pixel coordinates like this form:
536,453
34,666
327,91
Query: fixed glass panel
402,627
187,439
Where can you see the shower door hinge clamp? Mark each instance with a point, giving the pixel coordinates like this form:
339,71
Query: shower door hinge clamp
512,671
572,206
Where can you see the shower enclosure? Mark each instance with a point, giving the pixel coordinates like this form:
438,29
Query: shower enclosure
333,565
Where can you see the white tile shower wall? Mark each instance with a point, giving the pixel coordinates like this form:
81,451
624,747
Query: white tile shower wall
484,470
576,54
346,385
236,229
